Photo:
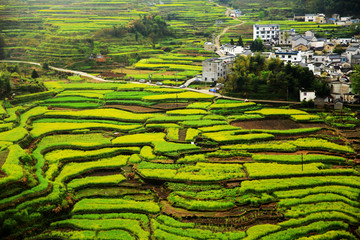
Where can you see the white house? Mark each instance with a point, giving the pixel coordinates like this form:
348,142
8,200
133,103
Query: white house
333,60
345,19
318,59
351,51
235,13
339,89
266,32
229,49
307,95
214,68
296,41
291,57
310,17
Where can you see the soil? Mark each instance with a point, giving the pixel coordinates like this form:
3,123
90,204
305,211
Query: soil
244,221
182,135
168,106
131,108
273,124
352,134
238,217
3,156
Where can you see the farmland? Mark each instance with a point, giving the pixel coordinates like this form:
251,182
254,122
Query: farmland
200,168
83,159
73,33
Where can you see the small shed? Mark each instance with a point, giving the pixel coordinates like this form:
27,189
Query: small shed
307,95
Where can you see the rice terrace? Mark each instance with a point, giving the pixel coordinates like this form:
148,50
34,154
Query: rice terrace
107,130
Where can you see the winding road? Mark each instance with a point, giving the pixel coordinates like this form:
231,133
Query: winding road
217,39
189,89
83,74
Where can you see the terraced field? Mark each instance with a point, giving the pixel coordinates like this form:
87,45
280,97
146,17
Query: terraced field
136,161
71,31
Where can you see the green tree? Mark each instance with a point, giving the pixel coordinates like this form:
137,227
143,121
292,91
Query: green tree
45,66
321,87
355,80
257,45
2,48
240,42
4,84
232,42
34,74
269,78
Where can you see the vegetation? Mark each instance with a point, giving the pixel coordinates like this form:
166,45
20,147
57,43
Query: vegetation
254,74
84,159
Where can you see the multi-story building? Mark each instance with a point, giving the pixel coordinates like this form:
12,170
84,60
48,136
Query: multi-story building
214,68
266,32
291,57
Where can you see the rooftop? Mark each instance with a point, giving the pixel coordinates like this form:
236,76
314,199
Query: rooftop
267,25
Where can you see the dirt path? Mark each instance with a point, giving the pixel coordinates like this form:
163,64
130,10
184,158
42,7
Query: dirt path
83,74
217,39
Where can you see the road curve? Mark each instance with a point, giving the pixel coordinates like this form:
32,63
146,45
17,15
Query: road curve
189,89
61,70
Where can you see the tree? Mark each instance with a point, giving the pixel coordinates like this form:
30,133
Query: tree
232,42
321,87
2,48
240,42
45,66
355,80
338,49
257,45
4,84
272,78
34,74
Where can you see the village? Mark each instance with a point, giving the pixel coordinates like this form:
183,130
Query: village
333,59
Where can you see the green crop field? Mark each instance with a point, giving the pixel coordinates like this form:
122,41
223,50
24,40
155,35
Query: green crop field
85,159
189,171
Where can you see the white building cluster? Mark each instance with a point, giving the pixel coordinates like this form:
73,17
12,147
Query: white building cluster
305,49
